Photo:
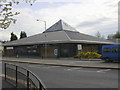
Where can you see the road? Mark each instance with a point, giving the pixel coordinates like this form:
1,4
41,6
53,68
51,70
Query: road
74,77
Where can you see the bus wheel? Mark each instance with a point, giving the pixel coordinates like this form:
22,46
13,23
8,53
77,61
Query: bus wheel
107,60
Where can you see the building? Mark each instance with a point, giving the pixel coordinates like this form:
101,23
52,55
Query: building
60,40
115,40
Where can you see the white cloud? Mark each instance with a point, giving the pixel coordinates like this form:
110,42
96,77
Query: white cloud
97,15
89,11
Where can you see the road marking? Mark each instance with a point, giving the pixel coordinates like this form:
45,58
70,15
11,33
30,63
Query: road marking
70,69
79,69
34,66
39,67
2,75
104,70
55,66
44,66
86,71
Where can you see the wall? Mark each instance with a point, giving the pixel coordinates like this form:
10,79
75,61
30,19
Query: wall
68,50
90,48
8,52
48,51
64,50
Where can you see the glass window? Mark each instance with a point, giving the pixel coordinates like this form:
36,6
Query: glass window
106,49
114,49
118,49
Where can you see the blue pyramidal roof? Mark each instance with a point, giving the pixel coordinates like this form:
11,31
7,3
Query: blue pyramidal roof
59,26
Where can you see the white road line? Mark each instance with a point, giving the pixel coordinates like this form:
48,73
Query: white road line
43,66
35,66
70,69
55,66
104,70
2,75
46,67
79,69
86,71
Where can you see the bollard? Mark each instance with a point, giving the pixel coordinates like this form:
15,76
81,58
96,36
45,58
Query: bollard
5,71
40,86
16,77
27,80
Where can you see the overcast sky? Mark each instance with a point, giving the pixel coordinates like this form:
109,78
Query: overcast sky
87,16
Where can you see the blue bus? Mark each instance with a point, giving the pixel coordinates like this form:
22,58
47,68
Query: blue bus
111,53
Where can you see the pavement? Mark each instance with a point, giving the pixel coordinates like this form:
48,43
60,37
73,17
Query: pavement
68,62
6,85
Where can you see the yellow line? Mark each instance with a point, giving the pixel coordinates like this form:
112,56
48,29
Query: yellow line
2,75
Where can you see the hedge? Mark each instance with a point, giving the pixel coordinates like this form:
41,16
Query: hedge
88,55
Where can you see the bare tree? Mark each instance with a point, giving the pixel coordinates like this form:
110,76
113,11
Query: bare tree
98,35
6,13
114,36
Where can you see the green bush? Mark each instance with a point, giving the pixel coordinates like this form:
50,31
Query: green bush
88,55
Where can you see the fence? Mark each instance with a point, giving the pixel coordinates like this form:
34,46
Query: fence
21,77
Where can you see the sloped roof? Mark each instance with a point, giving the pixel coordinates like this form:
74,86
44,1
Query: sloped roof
117,40
59,26
84,38
50,37
59,34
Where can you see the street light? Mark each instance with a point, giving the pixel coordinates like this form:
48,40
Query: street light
45,37
42,21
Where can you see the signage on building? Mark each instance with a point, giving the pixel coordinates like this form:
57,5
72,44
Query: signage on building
9,48
79,47
55,51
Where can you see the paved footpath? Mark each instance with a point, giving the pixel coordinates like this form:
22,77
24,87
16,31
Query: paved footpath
6,85
93,63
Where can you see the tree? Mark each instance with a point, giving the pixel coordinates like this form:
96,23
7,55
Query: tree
110,36
23,34
6,13
98,35
13,37
117,35
114,36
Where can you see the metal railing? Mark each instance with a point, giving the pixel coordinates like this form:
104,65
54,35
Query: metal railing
22,78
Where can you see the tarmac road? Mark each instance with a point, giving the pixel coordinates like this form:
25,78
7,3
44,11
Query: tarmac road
74,77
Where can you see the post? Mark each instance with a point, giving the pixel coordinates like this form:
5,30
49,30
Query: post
40,86
45,43
27,80
5,71
16,76
45,50
45,39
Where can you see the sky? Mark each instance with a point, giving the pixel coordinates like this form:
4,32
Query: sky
86,16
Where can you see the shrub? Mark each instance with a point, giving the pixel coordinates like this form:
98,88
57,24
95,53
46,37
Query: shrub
88,54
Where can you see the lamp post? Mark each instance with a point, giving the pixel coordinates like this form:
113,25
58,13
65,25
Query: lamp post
45,38
42,21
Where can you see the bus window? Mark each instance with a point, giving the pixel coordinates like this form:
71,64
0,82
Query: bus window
118,49
106,50
114,50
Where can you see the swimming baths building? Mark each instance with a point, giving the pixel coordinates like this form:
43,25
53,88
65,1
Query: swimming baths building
60,40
